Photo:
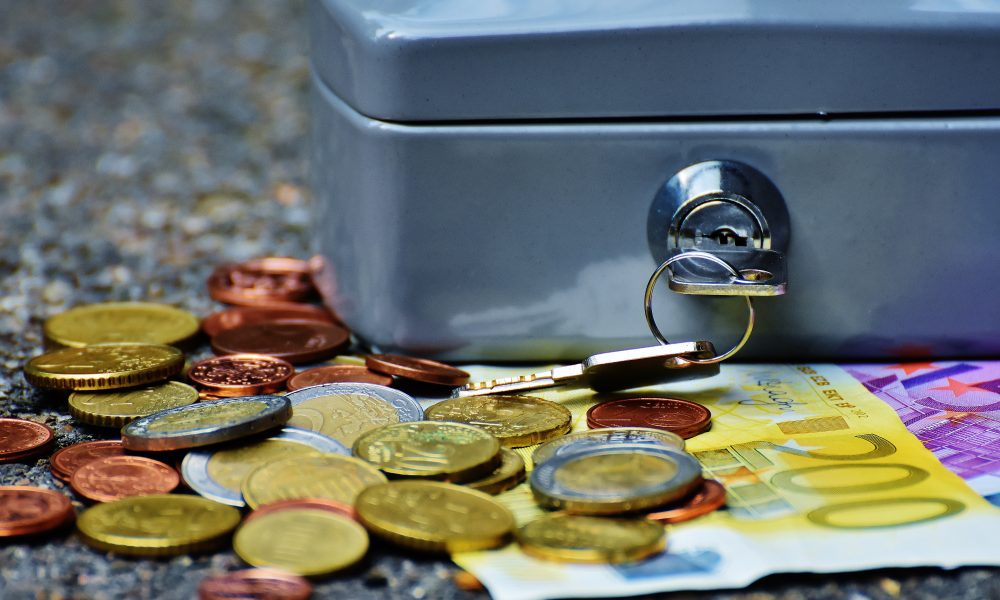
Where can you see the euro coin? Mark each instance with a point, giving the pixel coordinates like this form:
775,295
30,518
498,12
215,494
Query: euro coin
115,477
304,541
344,411
21,439
434,517
65,462
453,452
240,375
297,342
584,440
509,474
255,584
579,539
160,525
103,367
515,420
326,476
118,407
206,423
708,498
615,480
218,473
683,417
337,374
26,510
117,322
421,370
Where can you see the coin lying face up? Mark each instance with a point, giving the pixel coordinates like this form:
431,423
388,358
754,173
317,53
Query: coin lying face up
584,440
117,407
26,510
515,420
579,539
241,375
218,473
206,423
304,541
113,322
104,367
323,476
453,452
344,411
21,439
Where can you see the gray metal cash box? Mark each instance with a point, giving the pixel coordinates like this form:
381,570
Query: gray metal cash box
497,179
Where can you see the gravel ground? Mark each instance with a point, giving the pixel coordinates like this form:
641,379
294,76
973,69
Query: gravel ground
142,143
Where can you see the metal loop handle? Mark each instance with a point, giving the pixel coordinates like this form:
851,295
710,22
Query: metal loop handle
648,303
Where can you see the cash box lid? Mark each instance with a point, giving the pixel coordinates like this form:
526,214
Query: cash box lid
454,60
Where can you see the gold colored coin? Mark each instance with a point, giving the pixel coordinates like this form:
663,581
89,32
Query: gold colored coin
578,539
344,417
508,475
116,408
103,367
305,541
117,322
515,420
327,476
157,525
435,517
431,449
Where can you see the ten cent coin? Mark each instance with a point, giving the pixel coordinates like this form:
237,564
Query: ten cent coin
103,366
116,408
66,461
417,369
337,374
241,375
21,439
686,419
26,510
305,541
344,411
326,476
206,423
116,322
115,477
255,584
584,440
515,420
578,539
432,449
434,517
161,525
295,341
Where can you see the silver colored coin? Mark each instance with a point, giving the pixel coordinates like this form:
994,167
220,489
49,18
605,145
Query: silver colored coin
206,423
196,468
344,411
587,440
553,484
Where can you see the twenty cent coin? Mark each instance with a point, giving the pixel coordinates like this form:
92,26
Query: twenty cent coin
305,541
161,525
515,420
206,423
686,419
115,477
417,369
104,366
434,517
324,476
578,539
217,474
255,584
66,461
241,375
118,407
337,374
116,322
344,411
21,439
26,510
431,449
584,440
295,341
706,499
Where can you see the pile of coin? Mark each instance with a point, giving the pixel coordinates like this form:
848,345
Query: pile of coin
325,457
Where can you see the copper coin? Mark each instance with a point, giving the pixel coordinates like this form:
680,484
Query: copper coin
317,503
338,374
417,369
710,496
682,417
262,282
20,438
255,584
26,510
294,341
66,461
240,375
230,318
115,477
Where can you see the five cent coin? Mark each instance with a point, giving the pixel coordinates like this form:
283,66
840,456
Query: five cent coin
294,341
417,369
116,477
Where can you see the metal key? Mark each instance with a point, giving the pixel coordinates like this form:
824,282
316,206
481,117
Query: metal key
610,371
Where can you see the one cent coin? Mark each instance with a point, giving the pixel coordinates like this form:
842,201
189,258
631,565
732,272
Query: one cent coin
708,498
341,508
682,417
338,374
231,318
241,375
294,341
66,461
26,510
417,369
116,477
20,439
262,282
255,584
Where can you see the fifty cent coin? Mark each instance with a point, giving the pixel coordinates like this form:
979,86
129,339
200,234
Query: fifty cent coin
116,322
206,423
344,411
295,341
453,452
686,419
241,375
515,420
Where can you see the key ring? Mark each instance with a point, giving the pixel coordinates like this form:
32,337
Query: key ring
695,254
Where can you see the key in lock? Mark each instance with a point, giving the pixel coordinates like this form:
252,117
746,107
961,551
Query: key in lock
730,210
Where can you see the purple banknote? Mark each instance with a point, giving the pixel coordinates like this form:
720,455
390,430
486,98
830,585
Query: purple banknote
952,407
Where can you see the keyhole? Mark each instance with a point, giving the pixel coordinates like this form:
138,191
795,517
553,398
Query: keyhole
725,236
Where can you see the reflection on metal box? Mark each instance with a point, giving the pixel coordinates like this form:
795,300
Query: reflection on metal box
485,172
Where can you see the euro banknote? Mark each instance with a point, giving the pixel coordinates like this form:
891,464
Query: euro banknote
820,474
